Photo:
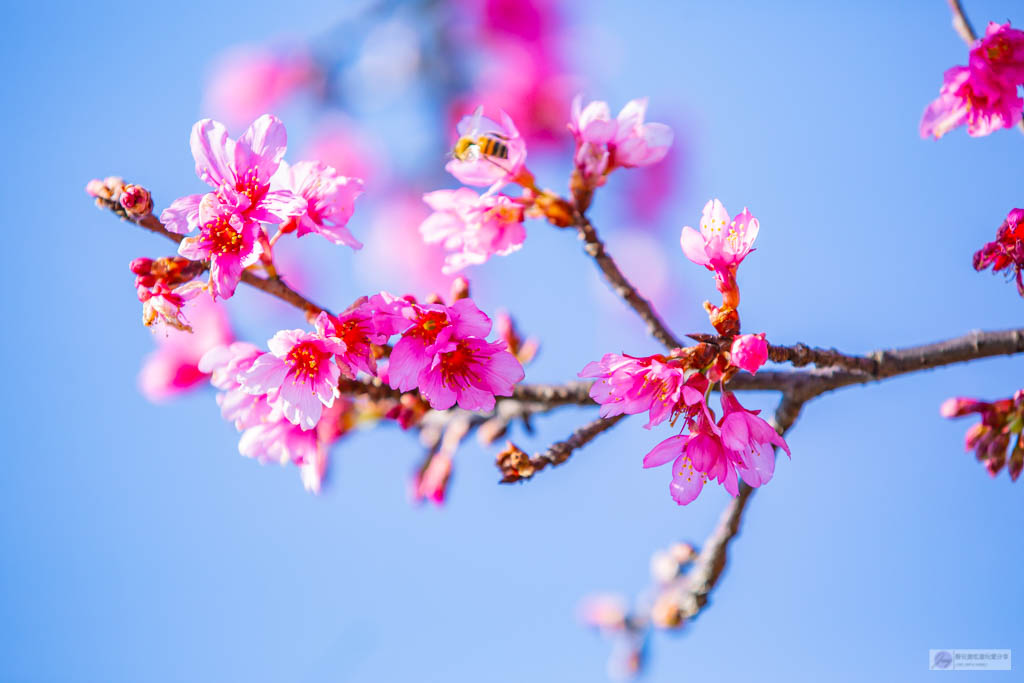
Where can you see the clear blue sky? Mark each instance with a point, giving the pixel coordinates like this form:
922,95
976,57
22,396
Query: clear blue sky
138,545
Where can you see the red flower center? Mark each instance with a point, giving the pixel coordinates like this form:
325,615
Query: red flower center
305,359
458,366
223,237
249,184
999,50
428,326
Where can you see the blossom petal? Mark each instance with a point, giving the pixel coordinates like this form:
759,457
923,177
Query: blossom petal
213,151
669,449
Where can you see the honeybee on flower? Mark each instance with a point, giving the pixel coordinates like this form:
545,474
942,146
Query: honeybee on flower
486,152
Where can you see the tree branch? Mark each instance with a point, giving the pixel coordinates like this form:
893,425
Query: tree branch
273,286
516,466
593,245
800,386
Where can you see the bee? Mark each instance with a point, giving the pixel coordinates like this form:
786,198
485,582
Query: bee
487,144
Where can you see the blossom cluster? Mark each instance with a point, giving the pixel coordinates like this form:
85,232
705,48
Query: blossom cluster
983,95
473,226
253,187
989,439
163,286
676,387
279,398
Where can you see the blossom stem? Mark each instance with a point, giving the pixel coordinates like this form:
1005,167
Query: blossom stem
559,452
270,285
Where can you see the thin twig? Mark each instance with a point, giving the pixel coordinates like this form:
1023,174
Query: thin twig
558,452
961,24
273,286
622,286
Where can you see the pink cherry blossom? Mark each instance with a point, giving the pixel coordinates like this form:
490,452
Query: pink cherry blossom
427,328
224,364
696,458
298,373
749,352
279,441
164,286
471,372
228,240
990,438
250,80
740,444
240,172
749,441
473,226
1006,251
637,143
476,168
366,322
160,304
629,385
1002,48
335,422
722,243
974,95
174,366
330,199
603,143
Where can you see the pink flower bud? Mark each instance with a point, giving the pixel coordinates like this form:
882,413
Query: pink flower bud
749,352
95,188
136,201
141,266
959,406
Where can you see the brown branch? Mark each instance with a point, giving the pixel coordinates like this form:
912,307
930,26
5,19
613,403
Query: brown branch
517,467
620,285
799,386
273,286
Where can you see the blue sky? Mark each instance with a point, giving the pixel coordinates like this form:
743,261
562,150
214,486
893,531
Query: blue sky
138,545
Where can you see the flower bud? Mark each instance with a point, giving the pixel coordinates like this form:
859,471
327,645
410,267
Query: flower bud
136,201
664,566
725,320
141,265
460,289
1016,459
666,612
514,463
749,352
